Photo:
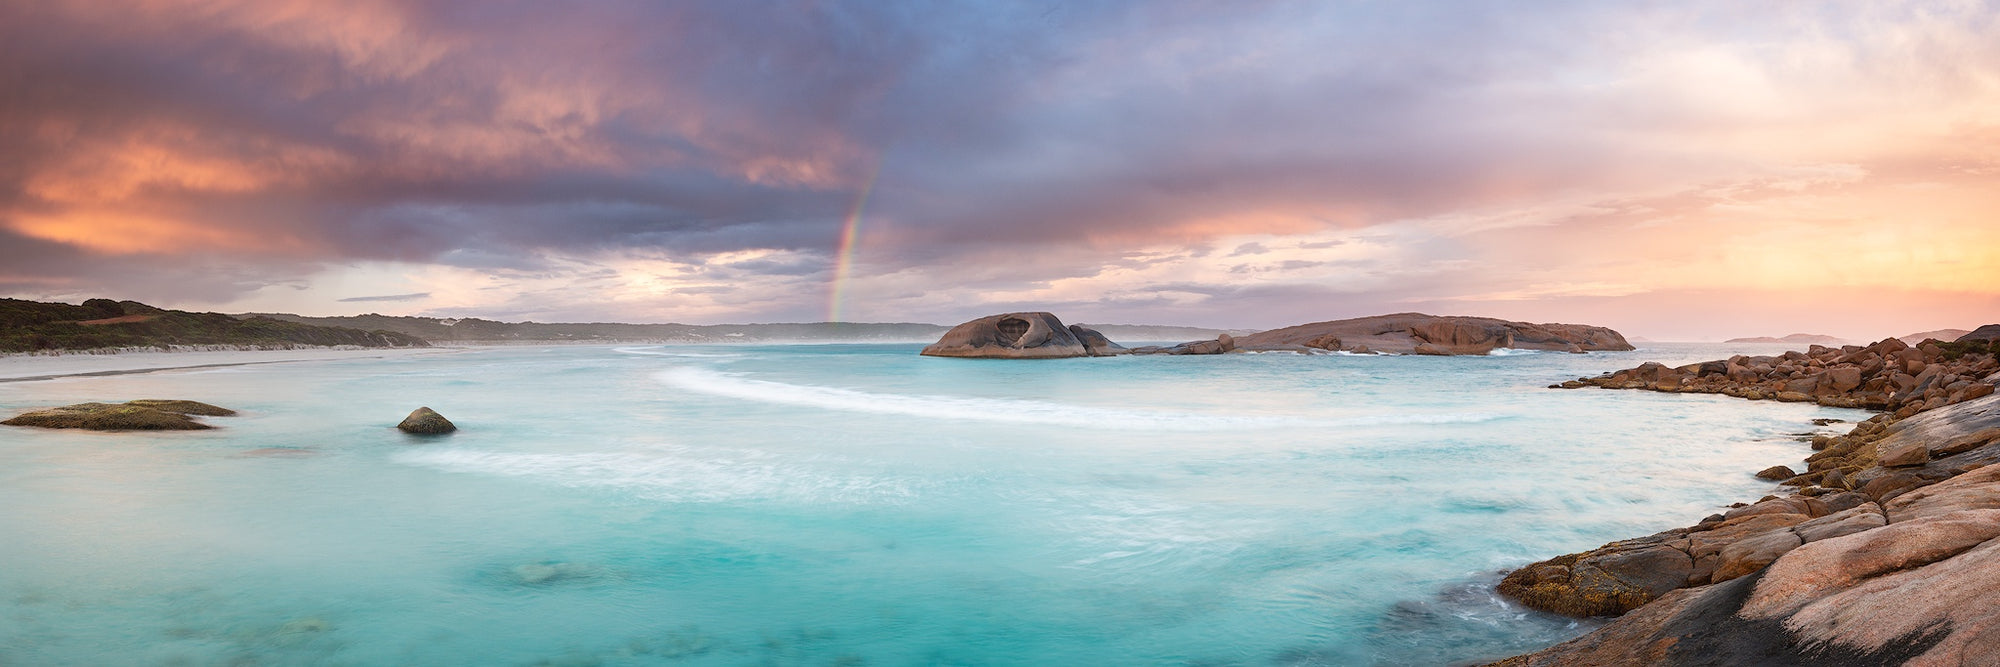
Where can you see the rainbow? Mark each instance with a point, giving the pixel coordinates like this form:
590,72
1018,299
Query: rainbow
843,260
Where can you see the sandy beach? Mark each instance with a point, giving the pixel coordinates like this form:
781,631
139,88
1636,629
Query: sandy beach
27,367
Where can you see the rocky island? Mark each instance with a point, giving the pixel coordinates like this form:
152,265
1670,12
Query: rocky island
1888,553
1417,333
1036,335
1040,335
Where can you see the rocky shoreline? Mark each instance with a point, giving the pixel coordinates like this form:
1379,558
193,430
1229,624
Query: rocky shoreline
1887,552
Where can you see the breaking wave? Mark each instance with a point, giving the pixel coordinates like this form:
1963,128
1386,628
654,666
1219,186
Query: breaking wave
1015,411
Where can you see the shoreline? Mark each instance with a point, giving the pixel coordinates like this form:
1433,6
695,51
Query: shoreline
1873,557
40,367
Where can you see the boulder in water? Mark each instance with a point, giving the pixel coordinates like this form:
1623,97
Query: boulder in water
1012,336
425,421
1095,342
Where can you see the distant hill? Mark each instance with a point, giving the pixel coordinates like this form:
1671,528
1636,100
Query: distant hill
28,326
1946,335
1796,339
474,330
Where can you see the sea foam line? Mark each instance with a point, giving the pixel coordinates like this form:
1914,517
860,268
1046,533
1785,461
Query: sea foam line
673,476
1014,411
655,352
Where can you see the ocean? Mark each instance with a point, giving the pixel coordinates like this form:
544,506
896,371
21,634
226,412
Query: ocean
849,505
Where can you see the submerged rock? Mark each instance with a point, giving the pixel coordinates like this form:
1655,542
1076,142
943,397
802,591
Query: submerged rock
425,421
1013,336
278,453
552,572
140,415
300,631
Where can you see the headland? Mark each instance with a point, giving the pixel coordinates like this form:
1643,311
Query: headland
1885,552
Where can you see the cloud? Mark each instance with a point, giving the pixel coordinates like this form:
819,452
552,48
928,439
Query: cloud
418,296
677,160
1252,248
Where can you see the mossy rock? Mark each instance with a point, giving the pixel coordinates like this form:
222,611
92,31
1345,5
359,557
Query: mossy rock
1607,581
183,407
148,415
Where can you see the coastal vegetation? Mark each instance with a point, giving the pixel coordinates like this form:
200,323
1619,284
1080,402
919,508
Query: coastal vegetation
30,326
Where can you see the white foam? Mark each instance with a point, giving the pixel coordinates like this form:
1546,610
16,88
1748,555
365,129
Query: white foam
673,474
1016,411
656,351
1510,352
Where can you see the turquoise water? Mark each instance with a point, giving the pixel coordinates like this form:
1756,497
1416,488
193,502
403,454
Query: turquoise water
847,505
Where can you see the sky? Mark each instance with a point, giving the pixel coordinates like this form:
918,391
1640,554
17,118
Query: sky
1676,170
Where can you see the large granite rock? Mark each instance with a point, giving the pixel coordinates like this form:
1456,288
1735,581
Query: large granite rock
1918,591
425,421
139,415
1892,574
1020,336
1417,333
1095,343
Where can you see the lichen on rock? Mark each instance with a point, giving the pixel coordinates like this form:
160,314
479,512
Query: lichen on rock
140,415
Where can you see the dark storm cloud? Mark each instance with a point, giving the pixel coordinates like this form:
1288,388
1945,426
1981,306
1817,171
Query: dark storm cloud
407,131
199,148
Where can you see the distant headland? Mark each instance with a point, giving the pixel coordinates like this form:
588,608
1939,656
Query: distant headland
1795,339
33,326
104,324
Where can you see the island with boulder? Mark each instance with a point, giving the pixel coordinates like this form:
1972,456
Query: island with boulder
1036,335
1887,552
1041,335
1417,333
